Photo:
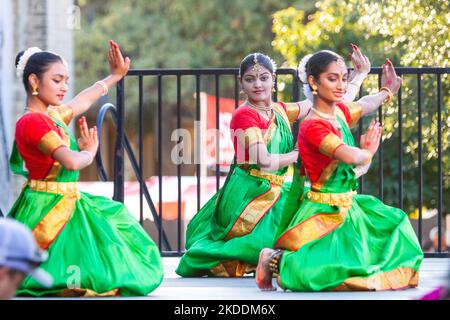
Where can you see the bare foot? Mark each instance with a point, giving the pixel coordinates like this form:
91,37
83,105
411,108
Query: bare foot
263,274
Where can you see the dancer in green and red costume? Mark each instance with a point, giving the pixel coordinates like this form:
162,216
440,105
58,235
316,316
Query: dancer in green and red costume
338,239
96,247
225,237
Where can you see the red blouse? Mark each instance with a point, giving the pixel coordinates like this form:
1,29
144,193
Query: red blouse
37,137
318,140
248,121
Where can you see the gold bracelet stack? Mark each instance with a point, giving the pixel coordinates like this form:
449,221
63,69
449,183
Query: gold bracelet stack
389,92
104,86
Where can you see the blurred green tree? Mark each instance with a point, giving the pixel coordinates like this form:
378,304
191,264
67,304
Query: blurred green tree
411,33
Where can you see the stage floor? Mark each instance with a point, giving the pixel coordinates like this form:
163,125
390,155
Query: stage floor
433,273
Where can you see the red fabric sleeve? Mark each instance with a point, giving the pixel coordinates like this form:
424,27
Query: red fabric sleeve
34,126
31,130
317,140
316,131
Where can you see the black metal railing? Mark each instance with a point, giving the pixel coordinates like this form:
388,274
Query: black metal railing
122,143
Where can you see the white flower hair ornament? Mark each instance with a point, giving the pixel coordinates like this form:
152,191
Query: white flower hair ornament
303,77
274,65
24,59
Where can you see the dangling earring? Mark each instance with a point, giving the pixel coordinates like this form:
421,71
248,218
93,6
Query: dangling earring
35,92
314,89
273,88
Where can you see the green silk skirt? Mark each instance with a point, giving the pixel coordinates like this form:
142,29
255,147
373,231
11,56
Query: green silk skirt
95,246
225,237
366,245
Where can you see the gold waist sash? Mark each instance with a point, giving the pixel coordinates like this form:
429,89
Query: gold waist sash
69,189
332,199
273,178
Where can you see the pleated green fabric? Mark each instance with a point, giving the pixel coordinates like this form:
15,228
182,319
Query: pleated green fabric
101,248
374,247
209,237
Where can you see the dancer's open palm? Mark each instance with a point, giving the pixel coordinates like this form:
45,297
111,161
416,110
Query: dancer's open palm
119,66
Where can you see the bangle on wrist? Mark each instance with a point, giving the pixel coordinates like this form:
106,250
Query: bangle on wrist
104,86
370,156
389,92
90,154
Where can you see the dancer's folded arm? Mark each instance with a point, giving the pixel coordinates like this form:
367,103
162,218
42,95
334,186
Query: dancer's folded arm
87,143
73,160
259,154
370,142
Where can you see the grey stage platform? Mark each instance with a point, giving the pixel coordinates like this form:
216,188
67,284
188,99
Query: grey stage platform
432,274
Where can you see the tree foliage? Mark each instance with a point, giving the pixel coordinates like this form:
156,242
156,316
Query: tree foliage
412,33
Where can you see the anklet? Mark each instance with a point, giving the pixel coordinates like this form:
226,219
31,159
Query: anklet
274,262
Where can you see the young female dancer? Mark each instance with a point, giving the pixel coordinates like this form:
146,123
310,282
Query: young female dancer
339,240
95,246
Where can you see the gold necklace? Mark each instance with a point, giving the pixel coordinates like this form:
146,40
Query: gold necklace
326,116
34,111
266,108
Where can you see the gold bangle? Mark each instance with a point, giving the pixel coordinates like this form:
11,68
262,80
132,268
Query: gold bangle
389,92
369,154
104,86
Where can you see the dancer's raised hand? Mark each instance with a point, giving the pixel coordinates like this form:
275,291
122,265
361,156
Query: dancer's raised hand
119,66
361,63
88,140
389,78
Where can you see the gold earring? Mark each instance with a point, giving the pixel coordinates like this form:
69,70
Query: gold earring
35,92
314,89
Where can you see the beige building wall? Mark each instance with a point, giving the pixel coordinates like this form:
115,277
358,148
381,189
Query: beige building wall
47,24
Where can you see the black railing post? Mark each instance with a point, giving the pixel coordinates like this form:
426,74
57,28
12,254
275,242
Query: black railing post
217,133
295,86
198,141
123,145
160,166
119,178
400,150
419,147
141,151
179,164
380,150
439,147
